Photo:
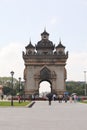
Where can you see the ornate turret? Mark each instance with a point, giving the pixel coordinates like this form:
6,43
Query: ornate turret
60,49
45,35
45,46
30,48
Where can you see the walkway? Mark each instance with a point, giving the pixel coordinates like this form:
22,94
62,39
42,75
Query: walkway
58,116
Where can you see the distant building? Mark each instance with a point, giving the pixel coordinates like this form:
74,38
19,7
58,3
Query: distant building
45,62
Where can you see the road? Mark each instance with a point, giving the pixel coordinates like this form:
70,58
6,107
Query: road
41,116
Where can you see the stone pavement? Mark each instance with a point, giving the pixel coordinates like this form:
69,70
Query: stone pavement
41,116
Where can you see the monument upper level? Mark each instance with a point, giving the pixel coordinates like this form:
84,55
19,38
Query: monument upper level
46,48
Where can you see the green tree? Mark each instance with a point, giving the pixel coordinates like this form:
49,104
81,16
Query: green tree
75,87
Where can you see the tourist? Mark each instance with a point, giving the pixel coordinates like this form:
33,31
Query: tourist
60,97
54,97
65,98
75,98
70,99
50,96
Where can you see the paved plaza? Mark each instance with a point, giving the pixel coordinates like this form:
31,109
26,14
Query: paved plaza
41,116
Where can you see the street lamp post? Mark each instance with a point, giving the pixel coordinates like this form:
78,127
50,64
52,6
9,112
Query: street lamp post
85,82
12,73
19,88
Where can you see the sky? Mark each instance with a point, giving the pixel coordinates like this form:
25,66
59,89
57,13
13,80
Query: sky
22,20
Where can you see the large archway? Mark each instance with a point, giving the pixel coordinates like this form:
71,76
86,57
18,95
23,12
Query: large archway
44,88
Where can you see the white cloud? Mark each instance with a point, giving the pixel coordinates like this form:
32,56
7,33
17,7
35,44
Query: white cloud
11,59
83,2
53,21
76,64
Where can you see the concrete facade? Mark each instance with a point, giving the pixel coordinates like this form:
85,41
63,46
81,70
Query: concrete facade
45,62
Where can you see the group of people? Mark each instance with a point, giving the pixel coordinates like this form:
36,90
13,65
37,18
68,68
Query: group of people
61,98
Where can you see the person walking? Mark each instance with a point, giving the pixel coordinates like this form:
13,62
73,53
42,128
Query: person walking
65,98
54,97
50,96
70,99
60,97
75,98
50,99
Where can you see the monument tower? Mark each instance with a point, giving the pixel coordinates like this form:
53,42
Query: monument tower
45,62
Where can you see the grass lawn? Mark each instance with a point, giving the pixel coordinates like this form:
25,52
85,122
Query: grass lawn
84,101
8,103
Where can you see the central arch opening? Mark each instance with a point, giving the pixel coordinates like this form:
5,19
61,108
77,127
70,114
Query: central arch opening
44,88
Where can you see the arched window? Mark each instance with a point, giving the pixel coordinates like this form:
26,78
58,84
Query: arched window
45,73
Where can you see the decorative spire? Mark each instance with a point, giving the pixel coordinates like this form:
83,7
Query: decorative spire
29,45
45,33
59,40
60,44
30,40
45,29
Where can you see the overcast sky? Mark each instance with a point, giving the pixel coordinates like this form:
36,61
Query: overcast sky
22,20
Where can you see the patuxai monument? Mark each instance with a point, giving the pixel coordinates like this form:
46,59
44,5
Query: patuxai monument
45,61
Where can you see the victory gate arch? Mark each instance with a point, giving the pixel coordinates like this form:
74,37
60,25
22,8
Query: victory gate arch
45,62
